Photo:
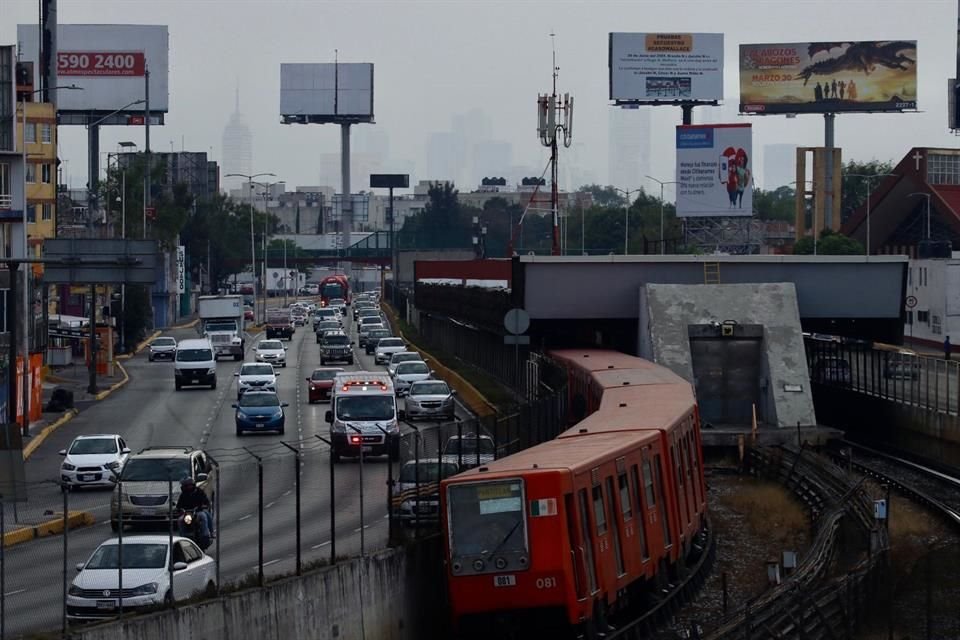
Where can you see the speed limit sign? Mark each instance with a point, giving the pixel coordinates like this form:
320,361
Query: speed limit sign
911,302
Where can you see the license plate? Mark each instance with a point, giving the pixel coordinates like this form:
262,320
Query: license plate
367,449
106,604
505,581
84,478
148,512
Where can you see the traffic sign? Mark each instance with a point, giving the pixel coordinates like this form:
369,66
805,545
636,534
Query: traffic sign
911,302
516,339
516,321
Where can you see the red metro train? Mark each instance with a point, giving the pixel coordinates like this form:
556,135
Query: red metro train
557,537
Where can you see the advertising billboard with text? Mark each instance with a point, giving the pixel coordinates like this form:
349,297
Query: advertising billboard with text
714,170
666,67
828,77
107,61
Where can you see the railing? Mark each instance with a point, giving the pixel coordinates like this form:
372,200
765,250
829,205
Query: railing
6,201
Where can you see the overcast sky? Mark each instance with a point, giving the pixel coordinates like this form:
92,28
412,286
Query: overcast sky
436,59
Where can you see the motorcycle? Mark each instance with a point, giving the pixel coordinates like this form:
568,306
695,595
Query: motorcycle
190,519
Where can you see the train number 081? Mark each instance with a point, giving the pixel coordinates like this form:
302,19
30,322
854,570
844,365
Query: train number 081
546,583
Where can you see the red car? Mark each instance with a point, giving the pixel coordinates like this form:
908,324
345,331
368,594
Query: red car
247,312
320,384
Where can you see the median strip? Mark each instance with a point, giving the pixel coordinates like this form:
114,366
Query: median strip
75,520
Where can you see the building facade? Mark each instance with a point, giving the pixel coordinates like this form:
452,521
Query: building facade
41,179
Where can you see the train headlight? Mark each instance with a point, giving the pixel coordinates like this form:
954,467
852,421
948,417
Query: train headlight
523,561
457,567
478,565
500,564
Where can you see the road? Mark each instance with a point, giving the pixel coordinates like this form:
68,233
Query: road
148,412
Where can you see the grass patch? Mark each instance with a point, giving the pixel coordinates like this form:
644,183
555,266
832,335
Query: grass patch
771,511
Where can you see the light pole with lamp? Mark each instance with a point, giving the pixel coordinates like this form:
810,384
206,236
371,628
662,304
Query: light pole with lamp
626,215
927,196
123,234
266,194
25,338
661,183
868,177
253,244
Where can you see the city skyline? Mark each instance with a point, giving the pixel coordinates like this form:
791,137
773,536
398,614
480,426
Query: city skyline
420,93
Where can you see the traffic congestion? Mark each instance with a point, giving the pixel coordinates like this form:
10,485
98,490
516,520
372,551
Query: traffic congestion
191,428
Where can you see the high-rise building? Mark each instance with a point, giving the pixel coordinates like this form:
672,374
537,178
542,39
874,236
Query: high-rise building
779,165
237,147
629,147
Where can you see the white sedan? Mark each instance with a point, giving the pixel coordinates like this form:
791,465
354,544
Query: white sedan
271,351
95,592
407,373
256,376
92,461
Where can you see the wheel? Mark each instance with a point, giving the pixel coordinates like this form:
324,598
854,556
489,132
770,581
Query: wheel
214,385
323,362
237,357
350,361
150,358
239,432
334,456
178,386
211,589
281,430
114,525
284,364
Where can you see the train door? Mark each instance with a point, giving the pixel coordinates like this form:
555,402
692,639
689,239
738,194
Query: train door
587,540
641,519
615,524
576,546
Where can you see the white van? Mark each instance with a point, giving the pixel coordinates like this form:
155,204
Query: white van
195,364
361,403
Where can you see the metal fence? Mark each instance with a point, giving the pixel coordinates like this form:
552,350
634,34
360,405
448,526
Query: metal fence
898,375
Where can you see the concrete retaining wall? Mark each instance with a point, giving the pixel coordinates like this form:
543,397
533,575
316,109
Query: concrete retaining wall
393,595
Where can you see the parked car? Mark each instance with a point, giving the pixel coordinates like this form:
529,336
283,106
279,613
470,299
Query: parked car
260,411
407,373
271,351
902,364
162,348
386,347
93,461
430,399
402,356
146,572
373,339
835,370
256,376
320,384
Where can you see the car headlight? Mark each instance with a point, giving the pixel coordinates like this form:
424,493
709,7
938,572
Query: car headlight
211,371
278,413
74,590
66,466
240,416
145,589
112,465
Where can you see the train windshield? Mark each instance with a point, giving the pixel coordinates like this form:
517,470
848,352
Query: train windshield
486,518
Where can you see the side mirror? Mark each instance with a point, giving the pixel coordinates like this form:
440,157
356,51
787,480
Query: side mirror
125,450
453,392
328,416
80,566
236,374
234,405
202,477
401,415
308,379
284,404
63,452
179,566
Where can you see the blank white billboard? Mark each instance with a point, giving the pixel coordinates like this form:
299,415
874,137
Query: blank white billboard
327,90
107,61
666,67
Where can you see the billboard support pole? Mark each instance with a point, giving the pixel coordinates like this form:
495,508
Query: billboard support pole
687,113
828,129
92,388
346,207
146,141
93,170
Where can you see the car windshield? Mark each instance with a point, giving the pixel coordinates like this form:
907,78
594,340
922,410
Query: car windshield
367,312
371,319
486,517
378,334
427,471
429,389
368,328
366,407
336,340
164,342
331,313
270,345
259,400
194,355
325,374
158,469
329,325
412,367
390,342
222,326
404,357
256,370
135,556
89,446
469,446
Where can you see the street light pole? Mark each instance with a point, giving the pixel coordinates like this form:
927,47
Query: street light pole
661,183
927,196
253,244
868,177
626,216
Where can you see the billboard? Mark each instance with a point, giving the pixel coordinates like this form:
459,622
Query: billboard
666,67
108,62
714,170
828,77
326,92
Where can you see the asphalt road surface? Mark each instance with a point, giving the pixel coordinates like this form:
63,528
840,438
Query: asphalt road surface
149,412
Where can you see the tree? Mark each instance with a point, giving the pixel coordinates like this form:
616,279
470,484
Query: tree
853,190
779,204
443,223
604,196
829,244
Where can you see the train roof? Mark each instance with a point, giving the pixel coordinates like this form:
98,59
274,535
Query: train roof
576,456
648,408
602,359
657,375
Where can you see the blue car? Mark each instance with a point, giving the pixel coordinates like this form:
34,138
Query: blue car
260,411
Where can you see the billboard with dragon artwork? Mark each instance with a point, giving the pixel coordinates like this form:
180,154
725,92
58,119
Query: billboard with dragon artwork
828,77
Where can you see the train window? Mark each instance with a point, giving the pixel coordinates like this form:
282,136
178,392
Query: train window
679,463
641,521
648,485
587,540
668,540
598,511
618,551
625,508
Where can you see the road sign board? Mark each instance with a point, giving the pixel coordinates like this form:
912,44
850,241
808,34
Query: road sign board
516,321
911,302
100,261
516,339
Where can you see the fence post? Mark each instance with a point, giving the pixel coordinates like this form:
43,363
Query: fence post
259,516
297,485
119,545
169,534
333,504
216,506
3,576
66,576
386,439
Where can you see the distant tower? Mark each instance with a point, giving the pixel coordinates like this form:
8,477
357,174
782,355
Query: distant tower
237,148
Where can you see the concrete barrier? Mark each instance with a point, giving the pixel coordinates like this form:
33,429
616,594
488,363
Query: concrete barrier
391,595
75,519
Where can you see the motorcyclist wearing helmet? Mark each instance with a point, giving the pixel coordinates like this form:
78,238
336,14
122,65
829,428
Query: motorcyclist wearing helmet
193,498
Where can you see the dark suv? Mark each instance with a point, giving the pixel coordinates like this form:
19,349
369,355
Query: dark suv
335,347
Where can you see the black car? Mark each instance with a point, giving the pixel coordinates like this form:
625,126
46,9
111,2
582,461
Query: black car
373,338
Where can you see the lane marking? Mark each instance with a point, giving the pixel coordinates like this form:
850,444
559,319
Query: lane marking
322,544
270,504
13,593
249,515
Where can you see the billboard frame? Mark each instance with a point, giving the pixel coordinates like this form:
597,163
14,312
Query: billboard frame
701,170
327,118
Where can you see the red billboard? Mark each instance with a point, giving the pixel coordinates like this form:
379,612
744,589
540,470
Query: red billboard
101,63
